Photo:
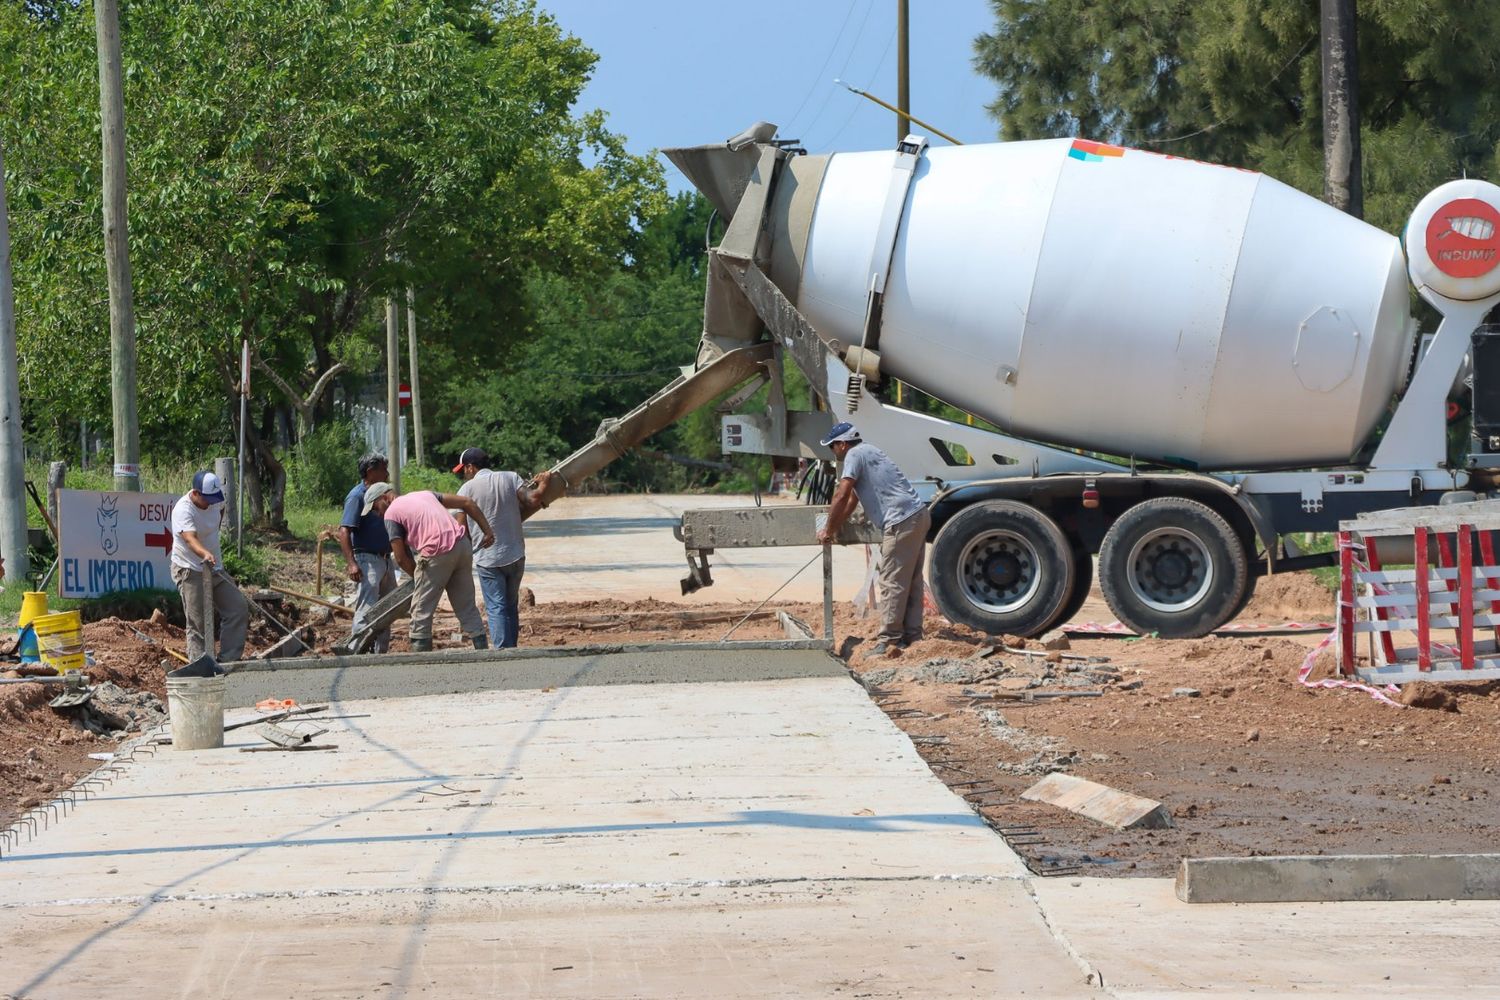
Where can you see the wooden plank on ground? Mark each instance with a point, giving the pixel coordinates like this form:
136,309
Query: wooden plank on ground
1100,803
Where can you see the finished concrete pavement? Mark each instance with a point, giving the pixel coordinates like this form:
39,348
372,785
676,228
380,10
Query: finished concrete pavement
730,839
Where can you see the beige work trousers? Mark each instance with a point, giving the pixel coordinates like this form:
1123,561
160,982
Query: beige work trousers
198,603
903,551
451,571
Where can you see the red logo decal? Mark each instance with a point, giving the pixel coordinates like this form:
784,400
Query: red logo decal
1463,238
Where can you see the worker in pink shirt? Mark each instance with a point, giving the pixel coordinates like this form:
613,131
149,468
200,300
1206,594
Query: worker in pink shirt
434,550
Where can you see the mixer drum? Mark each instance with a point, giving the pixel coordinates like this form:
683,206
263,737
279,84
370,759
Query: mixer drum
1119,301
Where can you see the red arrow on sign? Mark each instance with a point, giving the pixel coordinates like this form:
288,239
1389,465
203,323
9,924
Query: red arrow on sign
161,539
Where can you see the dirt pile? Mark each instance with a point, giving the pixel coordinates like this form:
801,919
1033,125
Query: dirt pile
1289,597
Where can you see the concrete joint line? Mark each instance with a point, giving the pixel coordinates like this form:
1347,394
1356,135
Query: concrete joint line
1093,976
472,890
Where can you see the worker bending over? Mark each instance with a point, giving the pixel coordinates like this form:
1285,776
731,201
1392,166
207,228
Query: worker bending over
434,550
195,547
869,475
506,502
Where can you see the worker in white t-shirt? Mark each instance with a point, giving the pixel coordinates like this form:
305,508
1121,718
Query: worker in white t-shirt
195,545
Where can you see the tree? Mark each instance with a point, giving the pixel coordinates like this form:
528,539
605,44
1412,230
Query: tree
1238,82
292,162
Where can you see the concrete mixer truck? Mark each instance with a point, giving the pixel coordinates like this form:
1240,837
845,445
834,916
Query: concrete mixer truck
1173,365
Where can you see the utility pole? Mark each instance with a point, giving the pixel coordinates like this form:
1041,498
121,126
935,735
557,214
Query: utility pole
1343,187
393,390
903,69
12,468
903,99
416,384
117,250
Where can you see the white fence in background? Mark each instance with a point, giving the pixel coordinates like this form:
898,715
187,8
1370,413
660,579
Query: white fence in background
370,427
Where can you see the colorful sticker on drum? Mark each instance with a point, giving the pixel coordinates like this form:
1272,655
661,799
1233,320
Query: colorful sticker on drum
1463,238
1093,152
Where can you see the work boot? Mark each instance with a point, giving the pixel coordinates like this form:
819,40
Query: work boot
481,642
421,645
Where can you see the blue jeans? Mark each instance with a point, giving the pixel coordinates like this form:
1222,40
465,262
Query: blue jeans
501,586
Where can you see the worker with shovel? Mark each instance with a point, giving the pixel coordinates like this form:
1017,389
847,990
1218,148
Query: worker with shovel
434,550
196,560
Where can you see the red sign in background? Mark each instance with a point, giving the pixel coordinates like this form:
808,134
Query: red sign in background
1463,238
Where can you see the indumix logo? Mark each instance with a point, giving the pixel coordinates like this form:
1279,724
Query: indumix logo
1463,238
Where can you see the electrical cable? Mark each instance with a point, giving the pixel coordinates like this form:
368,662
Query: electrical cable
821,69
855,110
847,59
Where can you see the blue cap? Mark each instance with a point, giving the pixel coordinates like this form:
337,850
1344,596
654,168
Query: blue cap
207,485
841,432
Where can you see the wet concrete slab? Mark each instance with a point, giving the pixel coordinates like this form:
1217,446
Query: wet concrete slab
310,680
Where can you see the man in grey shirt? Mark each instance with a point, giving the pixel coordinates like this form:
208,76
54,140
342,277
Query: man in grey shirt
890,503
506,502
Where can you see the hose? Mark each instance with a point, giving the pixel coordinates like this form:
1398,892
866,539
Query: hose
817,483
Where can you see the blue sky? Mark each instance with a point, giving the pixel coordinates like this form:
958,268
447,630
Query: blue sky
687,72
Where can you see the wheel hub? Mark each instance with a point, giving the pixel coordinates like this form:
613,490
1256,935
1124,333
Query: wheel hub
1170,569
999,571
1003,569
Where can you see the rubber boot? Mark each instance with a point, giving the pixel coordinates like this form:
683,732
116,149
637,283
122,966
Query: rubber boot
481,642
421,645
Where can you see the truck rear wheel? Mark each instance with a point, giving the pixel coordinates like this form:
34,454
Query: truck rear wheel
1002,567
1172,567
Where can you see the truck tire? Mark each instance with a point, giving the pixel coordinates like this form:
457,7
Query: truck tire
1173,567
1002,567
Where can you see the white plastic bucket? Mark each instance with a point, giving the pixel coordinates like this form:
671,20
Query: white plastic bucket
196,708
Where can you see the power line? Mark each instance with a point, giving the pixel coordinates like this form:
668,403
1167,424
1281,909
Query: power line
1209,128
873,75
847,59
821,69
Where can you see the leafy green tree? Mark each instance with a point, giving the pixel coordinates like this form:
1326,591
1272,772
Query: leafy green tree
596,349
1237,82
291,164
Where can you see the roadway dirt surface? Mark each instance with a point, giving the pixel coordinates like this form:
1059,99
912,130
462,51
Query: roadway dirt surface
1255,763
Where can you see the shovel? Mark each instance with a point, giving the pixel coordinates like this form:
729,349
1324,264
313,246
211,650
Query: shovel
157,642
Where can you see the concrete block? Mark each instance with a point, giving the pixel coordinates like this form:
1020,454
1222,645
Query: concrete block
1100,803
1057,639
1348,878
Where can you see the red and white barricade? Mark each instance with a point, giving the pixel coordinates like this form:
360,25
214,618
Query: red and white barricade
1438,620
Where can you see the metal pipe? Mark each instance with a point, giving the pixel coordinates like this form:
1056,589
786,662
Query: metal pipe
670,404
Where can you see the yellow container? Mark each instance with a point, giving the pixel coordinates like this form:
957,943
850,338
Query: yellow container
60,639
33,605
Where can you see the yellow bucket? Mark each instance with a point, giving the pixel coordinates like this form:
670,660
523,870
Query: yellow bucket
33,605
60,639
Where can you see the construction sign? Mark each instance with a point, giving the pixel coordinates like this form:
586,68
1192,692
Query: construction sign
114,541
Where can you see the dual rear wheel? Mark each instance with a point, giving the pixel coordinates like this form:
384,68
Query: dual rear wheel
1170,566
